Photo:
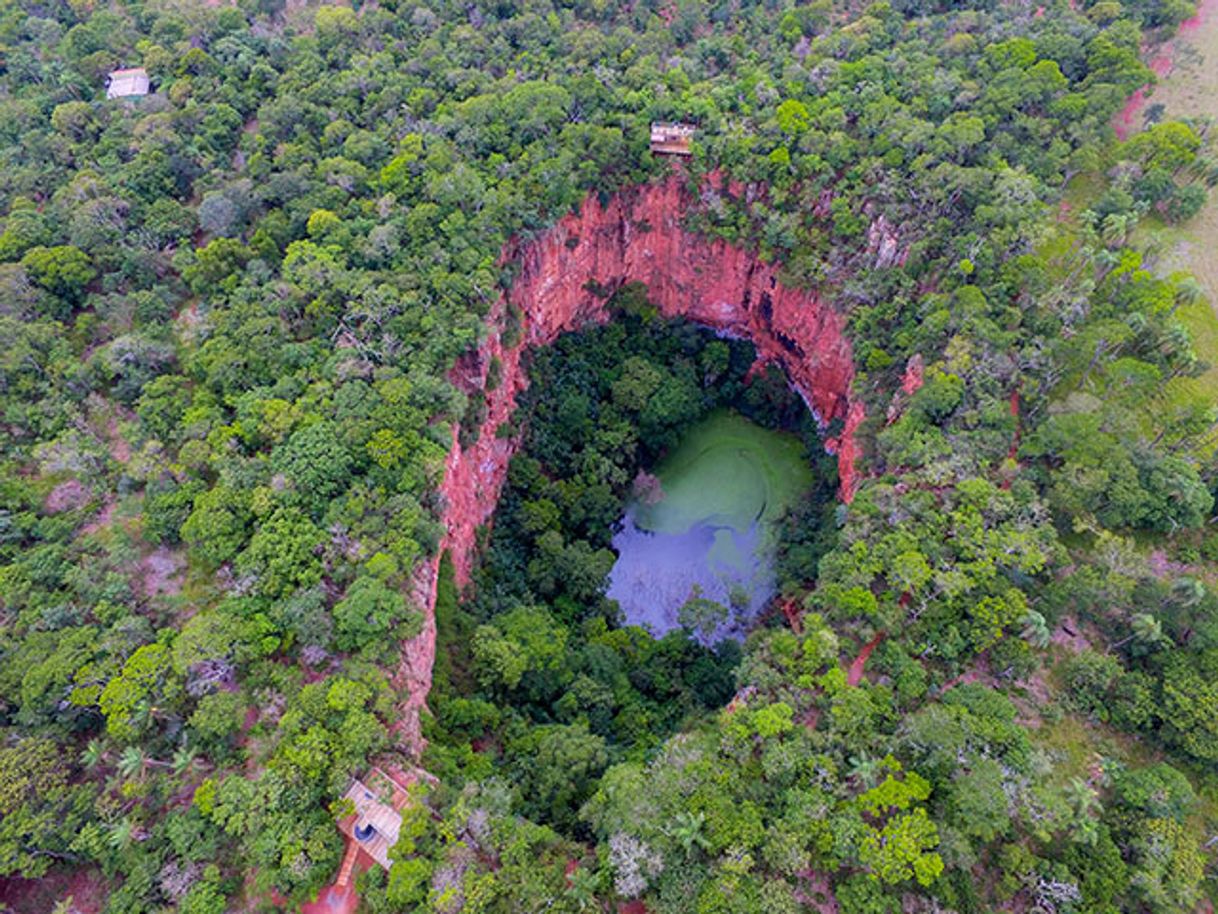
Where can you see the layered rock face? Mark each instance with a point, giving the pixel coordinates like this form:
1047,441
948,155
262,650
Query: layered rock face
564,276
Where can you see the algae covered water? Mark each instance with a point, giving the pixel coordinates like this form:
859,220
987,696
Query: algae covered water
699,549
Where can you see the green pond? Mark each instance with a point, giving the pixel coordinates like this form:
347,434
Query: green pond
709,531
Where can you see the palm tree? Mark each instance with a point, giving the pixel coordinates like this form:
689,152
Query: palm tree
122,834
1188,292
1113,229
1087,831
93,754
582,884
132,762
1106,259
183,758
687,831
1188,592
1036,629
1082,797
864,769
1146,630
1177,346
1085,804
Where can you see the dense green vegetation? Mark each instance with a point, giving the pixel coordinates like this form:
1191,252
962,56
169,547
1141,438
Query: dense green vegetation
539,662
228,313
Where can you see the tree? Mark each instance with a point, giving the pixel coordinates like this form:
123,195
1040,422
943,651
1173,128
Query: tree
558,767
219,215
129,699
41,813
525,642
702,616
218,526
902,849
64,271
978,802
282,555
367,612
217,719
793,117
315,462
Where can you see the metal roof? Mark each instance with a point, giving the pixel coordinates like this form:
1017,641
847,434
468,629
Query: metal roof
128,83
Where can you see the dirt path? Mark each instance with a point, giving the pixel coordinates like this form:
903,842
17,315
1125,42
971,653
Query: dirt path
854,675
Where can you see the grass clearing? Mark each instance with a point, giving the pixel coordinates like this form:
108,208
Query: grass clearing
1191,91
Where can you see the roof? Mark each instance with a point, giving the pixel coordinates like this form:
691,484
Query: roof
128,83
378,801
672,139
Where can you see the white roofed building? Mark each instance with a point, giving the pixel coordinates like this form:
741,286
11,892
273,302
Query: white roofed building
130,83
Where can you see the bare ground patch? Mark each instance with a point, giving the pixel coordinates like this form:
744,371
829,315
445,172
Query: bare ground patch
87,888
160,573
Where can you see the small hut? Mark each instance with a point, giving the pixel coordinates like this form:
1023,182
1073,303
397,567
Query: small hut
671,139
131,83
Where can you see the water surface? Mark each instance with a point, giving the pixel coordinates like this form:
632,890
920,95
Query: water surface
711,533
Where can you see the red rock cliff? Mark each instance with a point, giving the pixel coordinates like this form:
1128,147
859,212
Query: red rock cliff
636,237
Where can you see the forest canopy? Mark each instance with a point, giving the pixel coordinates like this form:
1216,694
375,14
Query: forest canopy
234,313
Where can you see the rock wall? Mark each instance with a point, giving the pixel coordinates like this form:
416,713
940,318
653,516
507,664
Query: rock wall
636,236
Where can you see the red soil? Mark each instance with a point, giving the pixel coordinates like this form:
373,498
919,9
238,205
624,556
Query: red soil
854,675
794,615
912,380
636,236
335,900
979,672
87,888
101,520
1161,63
332,900
817,892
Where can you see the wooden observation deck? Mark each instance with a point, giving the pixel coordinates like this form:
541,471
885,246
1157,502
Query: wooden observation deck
378,801
672,139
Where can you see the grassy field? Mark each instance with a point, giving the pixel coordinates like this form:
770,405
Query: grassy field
1191,91
1074,745
727,471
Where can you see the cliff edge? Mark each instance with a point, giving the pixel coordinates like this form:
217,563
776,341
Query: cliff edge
565,276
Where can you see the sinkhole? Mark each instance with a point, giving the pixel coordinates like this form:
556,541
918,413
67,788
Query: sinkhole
665,479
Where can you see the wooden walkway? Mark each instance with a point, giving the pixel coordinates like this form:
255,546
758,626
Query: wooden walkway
345,871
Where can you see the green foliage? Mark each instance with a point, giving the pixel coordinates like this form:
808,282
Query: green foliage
62,270
901,850
282,555
218,525
240,317
144,681
369,611
39,808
